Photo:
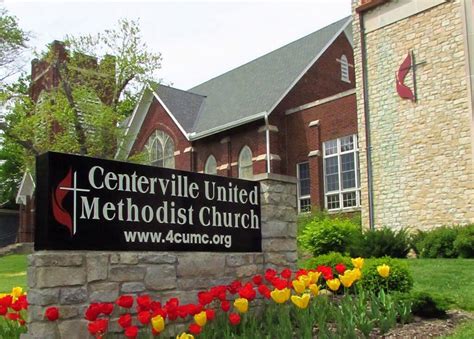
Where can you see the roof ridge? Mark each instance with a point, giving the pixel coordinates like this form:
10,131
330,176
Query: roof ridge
273,51
181,90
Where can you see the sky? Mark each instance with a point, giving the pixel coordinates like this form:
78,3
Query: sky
198,40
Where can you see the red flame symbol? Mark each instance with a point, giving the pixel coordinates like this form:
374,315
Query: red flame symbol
60,214
403,90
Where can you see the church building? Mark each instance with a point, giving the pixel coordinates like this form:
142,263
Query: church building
290,112
414,63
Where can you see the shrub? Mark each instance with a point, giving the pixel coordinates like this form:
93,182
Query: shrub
328,234
384,242
464,243
331,259
416,241
439,243
399,279
424,304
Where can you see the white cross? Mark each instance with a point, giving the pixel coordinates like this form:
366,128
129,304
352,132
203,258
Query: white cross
75,190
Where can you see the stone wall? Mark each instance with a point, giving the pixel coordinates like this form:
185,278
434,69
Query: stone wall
421,152
72,280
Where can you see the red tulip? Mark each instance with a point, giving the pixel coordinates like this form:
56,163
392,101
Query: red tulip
6,301
98,326
205,298
194,328
257,279
3,310
340,268
52,313
264,291
125,320
92,312
131,332
144,301
125,301
234,318
210,314
270,274
234,286
106,308
247,292
144,317
225,305
286,273
12,316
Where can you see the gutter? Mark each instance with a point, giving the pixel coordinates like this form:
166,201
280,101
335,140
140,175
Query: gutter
368,145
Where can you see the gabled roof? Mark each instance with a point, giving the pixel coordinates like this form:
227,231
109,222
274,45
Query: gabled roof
242,95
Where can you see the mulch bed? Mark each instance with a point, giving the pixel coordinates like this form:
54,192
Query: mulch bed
428,328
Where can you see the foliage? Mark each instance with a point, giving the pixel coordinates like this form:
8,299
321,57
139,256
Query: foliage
330,259
399,279
384,242
13,42
439,243
424,304
416,240
84,113
328,234
464,243
465,331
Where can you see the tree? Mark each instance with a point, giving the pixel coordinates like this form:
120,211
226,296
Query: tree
97,87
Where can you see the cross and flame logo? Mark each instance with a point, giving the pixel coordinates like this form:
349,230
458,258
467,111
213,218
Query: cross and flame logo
60,213
403,90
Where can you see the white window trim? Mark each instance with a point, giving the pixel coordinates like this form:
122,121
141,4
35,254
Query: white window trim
206,169
340,191
307,196
239,163
345,69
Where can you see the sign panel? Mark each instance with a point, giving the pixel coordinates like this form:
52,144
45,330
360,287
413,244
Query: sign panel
85,203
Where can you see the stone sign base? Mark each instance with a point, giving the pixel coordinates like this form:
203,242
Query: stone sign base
72,280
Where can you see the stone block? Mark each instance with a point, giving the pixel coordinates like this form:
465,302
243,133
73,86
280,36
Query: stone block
160,277
275,229
126,273
103,291
73,329
201,283
200,264
31,276
246,271
239,259
68,312
60,276
278,245
132,287
58,259
42,330
43,297
97,266
73,295
157,258
280,260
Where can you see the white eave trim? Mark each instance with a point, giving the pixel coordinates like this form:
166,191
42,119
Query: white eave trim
21,195
321,101
341,30
157,97
236,123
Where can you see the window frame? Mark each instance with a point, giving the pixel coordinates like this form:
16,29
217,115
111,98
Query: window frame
298,186
211,156
162,139
340,191
239,162
345,69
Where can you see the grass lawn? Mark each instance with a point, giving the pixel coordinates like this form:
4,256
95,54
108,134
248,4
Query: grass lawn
12,272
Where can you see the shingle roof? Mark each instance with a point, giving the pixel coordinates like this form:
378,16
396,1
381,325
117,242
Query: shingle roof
250,90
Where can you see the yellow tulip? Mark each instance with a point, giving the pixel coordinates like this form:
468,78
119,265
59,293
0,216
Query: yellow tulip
185,335
158,323
280,296
357,273
358,262
302,302
314,277
384,270
314,289
16,292
241,304
200,318
347,279
306,280
298,286
333,284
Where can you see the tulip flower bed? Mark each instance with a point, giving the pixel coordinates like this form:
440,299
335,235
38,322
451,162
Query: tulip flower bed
322,301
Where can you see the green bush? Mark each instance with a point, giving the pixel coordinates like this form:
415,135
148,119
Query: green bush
328,234
464,243
383,242
439,243
416,241
399,278
330,259
424,304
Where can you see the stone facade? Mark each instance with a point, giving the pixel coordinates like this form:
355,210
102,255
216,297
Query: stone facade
72,280
421,151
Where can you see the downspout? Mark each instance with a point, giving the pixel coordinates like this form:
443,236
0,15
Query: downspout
267,141
368,146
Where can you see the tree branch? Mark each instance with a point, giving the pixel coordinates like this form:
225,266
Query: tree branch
119,90
27,144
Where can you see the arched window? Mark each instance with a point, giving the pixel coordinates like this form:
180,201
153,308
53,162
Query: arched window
211,165
344,69
245,163
161,149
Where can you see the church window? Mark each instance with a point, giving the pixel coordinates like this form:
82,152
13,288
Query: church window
344,69
211,165
245,163
161,149
341,173
304,199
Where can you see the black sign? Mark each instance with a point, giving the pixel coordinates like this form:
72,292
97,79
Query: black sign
86,203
